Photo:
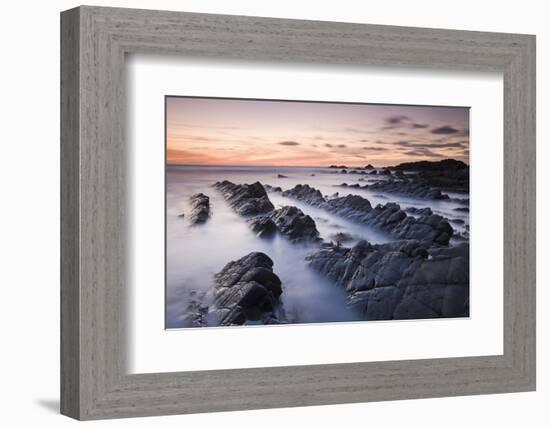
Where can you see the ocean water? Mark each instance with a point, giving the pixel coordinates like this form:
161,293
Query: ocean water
195,253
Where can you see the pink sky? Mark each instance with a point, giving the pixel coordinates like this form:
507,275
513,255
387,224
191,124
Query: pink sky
214,131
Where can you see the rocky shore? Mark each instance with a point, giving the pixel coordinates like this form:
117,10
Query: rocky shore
399,280
448,174
423,272
252,201
389,217
245,291
407,188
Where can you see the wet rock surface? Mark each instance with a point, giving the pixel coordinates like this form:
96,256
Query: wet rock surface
245,199
407,188
399,280
389,217
200,209
448,174
253,201
245,291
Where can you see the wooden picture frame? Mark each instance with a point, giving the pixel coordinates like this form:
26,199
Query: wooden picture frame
94,382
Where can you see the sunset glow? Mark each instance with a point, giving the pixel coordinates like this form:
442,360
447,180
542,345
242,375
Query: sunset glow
212,131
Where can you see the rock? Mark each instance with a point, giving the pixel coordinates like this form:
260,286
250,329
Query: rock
294,224
272,189
399,280
200,209
389,217
263,226
246,199
369,166
419,211
252,201
245,291
448,174
341,237
290,221
407,188
462,209
384,172
280,175
343,171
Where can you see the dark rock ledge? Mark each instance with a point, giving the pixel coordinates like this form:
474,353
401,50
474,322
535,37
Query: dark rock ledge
389,217
200,209
399,280
266,221
407,188
245,199
245,291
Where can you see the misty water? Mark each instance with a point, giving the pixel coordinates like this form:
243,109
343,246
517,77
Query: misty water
195,253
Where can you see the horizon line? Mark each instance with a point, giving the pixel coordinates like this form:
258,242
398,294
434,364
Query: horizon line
306,166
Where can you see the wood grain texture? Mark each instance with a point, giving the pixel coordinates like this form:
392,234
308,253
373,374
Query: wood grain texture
70,221
95,383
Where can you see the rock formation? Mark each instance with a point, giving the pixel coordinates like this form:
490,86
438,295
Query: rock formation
399,280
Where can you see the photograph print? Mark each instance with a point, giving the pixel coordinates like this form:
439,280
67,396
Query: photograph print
286,212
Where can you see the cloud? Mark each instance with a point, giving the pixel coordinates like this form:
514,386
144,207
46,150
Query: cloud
422,152
396,120
374,148
411,144
335,145
289,143
419,126
445,130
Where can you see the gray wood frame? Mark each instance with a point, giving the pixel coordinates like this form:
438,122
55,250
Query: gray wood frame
94,41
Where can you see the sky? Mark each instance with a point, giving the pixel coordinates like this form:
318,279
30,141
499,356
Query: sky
214,131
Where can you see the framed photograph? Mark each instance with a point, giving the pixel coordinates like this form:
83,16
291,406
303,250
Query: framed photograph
262,213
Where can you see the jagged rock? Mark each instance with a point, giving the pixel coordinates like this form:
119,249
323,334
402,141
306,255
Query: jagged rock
384,172
369,166
246,199
289,221
252,201
399,280
273,189
245,291
448,174
388,217
280,175
341,237
263,226
419,211
407,188
294,224
200,209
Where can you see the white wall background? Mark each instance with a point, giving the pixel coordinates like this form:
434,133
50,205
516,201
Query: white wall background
29,224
